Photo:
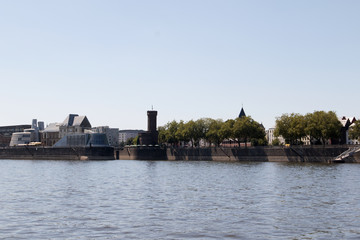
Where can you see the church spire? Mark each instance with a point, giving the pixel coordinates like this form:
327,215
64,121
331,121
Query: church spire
242,113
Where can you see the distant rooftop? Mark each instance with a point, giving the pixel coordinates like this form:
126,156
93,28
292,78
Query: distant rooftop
131,131
69,120
76,120
242,113
16,126
52,127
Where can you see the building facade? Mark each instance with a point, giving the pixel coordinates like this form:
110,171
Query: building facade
28,135
112,134
74,124
20,138
271,137
51,134
89,139
7,131
347,124
124,135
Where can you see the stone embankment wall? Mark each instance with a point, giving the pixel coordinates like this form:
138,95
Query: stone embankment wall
353,158
66,153
261,154
356,157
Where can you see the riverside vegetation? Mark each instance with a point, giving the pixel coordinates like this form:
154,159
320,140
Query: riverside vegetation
320,126
213,131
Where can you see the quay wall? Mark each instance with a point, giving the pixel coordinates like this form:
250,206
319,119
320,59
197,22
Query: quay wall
318,154
65,153
353,158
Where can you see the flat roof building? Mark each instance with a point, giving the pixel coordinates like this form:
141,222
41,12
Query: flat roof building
7,131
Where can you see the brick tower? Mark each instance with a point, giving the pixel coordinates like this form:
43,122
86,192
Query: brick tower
150,137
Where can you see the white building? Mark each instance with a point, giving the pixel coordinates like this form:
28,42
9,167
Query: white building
270,136
30,135
124,135
20,138
112,134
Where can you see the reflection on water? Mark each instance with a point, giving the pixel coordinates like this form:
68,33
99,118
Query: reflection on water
178,200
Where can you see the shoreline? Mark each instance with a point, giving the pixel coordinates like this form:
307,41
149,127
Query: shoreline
311,154
61,153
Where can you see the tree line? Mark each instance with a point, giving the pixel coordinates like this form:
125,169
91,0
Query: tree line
213,131
320,126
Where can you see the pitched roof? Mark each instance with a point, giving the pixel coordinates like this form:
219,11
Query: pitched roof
52,127
242,113
76,120
81,121
69,120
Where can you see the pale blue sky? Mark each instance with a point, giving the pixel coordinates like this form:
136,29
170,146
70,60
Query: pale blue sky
112,60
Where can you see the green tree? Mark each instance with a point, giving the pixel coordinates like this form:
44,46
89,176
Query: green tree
201,128
258,136
167,133
323,126
162,134
226,130
194,130
291,128
170,134
276,142
182,134
135,140
213,135
245,129
129,141
354,131
259,142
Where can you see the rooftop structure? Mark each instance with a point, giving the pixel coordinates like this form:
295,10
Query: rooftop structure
242,113
74,124
347,123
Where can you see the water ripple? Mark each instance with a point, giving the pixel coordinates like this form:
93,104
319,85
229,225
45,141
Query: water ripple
178,200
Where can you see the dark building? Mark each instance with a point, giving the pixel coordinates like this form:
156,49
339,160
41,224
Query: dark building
344,131
7,131
150,137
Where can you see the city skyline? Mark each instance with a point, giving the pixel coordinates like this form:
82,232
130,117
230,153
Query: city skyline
113,60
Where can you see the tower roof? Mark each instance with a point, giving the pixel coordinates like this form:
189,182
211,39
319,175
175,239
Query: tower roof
242,113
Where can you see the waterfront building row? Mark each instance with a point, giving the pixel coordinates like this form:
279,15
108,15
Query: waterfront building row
75,124
37,134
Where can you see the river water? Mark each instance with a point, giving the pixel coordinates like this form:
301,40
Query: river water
178,200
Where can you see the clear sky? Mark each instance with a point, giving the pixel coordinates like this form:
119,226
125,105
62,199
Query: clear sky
112,60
